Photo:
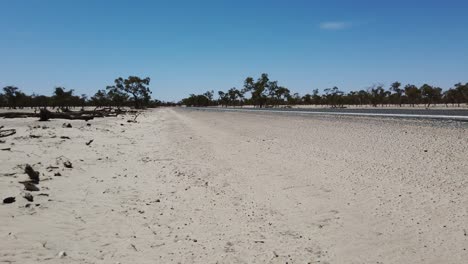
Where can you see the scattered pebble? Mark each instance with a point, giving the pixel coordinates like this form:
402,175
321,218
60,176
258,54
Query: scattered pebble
28,197
68,164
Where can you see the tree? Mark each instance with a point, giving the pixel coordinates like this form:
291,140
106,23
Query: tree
413,93
209,95
223,98
257,89
100,99
196,100
64,99
317,99
11,95
462,93
116,97
307,99
333,96
395,87
377,94
430,94
135,87
277,94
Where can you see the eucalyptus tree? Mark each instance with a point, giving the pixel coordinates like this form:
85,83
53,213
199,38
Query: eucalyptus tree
333,96
64,99
316,98
100,99
11,94
413,94
462,92
398,92
223,98
430,94
257,89
135,87
377,95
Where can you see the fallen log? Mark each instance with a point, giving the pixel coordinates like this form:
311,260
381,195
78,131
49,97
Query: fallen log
18,115
45,114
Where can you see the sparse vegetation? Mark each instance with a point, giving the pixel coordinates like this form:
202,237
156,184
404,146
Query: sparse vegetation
266,93
131,92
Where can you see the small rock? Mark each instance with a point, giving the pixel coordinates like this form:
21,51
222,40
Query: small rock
158,201
62,254
9,200
67,125
57,174
68,164
64,137
30,186
28,197
425,150
88,124
33,175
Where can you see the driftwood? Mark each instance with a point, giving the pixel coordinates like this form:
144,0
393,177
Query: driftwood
134,119
7,132
45,114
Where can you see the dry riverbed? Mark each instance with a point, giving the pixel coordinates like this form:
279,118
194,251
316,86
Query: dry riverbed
183,186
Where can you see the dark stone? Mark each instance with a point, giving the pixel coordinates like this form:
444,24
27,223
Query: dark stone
30,186
9,200
68,164
33,175
28,197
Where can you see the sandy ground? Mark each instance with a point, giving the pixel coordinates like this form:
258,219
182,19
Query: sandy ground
184,186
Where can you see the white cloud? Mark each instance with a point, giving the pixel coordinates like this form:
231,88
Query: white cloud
335,25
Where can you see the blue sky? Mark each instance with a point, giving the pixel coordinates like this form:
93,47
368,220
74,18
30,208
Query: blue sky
194,46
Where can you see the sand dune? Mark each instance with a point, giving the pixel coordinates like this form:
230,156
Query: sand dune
184,186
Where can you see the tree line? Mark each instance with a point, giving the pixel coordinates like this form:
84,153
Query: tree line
266,93
131,92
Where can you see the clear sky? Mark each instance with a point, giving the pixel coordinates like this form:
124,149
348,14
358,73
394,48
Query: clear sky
194,46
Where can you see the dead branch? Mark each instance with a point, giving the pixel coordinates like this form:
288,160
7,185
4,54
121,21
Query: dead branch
7,132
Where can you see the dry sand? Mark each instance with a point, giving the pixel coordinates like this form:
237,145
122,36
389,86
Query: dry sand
211,187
